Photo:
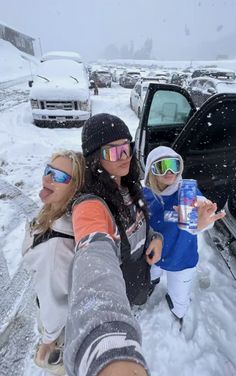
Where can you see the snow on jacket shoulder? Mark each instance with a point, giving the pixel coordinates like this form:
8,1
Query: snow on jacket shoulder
100,326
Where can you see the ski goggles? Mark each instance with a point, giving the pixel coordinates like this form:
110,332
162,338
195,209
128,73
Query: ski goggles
161,167
114,153
57,176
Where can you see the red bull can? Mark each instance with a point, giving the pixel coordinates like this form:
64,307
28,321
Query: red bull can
188,212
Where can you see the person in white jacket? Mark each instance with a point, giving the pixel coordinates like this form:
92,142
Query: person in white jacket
48,251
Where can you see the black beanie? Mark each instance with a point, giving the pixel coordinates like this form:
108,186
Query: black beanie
101,129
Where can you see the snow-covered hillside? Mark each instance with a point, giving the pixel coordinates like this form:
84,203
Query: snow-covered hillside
15,64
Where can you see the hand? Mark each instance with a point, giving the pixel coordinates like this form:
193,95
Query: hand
206,213
154,250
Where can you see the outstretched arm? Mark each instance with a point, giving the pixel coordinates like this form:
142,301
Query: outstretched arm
101,328
102,336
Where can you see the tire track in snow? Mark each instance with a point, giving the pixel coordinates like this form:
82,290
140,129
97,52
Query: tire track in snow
12,97
17,308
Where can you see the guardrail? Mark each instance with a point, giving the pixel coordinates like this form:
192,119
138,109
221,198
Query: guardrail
15,81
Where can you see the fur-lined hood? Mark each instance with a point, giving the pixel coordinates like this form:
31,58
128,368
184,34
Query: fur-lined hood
159,153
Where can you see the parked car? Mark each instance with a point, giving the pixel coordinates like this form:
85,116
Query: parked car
203,88
116,74
70,55
219,73
137,94
181,78
163,76
60,94
129,78
206,139
102,77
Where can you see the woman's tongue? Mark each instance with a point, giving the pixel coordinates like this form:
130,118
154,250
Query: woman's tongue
45,192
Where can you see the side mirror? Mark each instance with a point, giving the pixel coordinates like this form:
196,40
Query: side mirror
211,90
30,83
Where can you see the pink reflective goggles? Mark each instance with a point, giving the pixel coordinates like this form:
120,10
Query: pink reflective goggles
114,153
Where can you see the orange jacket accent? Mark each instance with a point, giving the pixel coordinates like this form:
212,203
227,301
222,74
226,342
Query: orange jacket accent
91,216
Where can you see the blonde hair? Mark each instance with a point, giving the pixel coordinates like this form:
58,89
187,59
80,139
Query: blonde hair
152,182
49,213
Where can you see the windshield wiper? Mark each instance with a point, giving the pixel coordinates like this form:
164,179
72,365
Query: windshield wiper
46,79
74,78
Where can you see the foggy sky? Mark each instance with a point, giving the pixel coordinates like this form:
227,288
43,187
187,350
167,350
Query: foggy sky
180,29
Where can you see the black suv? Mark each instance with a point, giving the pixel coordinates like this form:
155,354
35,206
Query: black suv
205,138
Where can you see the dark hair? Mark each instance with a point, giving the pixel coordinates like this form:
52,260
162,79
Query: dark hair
99,182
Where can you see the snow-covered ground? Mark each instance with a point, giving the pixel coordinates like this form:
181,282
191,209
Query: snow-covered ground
207,344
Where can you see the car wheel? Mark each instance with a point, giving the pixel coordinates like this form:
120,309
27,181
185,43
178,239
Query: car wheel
40,124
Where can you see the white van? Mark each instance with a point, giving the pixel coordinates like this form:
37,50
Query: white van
60,94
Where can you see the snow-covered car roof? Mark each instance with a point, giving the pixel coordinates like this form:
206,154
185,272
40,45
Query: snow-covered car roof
214,72
57,78
146,82
223,85
70,55
156,73
103,71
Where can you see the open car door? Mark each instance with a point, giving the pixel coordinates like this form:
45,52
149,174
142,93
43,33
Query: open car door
206,138
166,110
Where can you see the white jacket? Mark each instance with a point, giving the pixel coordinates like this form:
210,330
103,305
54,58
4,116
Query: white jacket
51,262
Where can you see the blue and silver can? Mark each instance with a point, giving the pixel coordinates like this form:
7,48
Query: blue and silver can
188,212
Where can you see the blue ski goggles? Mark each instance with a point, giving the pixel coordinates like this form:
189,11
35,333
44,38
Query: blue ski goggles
57,176
160,167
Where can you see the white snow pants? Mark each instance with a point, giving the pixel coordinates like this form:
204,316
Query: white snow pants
179,287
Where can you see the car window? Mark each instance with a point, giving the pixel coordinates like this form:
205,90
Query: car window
167,108
208,85
200,83
193,84
212,133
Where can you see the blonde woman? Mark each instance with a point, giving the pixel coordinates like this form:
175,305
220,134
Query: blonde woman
49,250
163,173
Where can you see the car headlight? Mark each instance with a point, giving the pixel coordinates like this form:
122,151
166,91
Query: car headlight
84,106
34,104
